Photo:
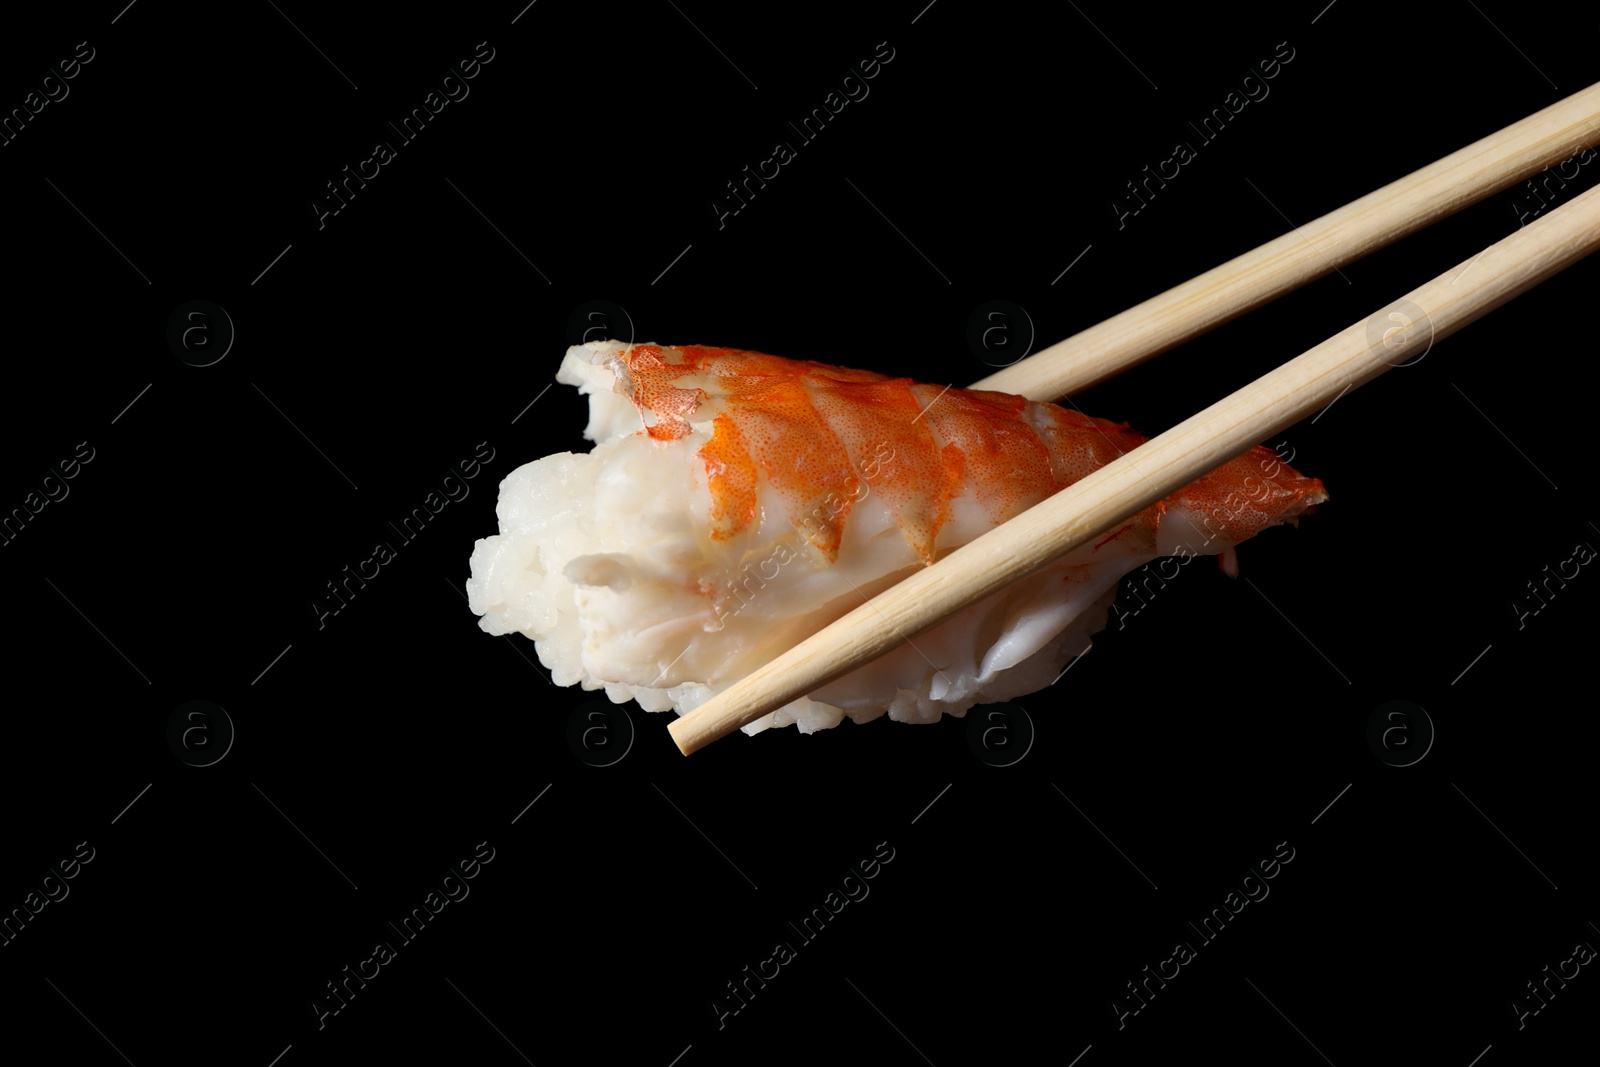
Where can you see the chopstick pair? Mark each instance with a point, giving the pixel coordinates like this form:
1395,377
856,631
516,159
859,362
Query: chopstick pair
1231,426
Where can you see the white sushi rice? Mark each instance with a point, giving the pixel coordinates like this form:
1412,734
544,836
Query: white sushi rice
603,560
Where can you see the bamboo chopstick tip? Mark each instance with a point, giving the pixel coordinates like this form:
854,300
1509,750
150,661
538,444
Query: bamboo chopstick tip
682,734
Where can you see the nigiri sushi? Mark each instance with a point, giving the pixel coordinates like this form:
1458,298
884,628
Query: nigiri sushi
736,502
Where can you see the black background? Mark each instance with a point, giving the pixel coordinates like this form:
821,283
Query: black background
376,749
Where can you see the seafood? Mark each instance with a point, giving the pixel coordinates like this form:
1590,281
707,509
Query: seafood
737,502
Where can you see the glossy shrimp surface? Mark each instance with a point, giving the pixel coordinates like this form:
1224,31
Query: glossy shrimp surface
820,436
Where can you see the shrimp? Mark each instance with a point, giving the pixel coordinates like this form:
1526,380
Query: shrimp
810,429
736,502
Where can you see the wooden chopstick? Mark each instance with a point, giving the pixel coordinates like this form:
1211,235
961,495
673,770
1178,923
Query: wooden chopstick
1342,236
1099,501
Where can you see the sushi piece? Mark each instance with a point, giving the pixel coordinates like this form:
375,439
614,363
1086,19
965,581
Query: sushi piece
735,503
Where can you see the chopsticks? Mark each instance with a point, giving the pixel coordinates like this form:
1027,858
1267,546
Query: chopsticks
1099,501
1302,255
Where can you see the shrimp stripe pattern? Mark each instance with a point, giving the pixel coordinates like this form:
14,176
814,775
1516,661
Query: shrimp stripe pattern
813,432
